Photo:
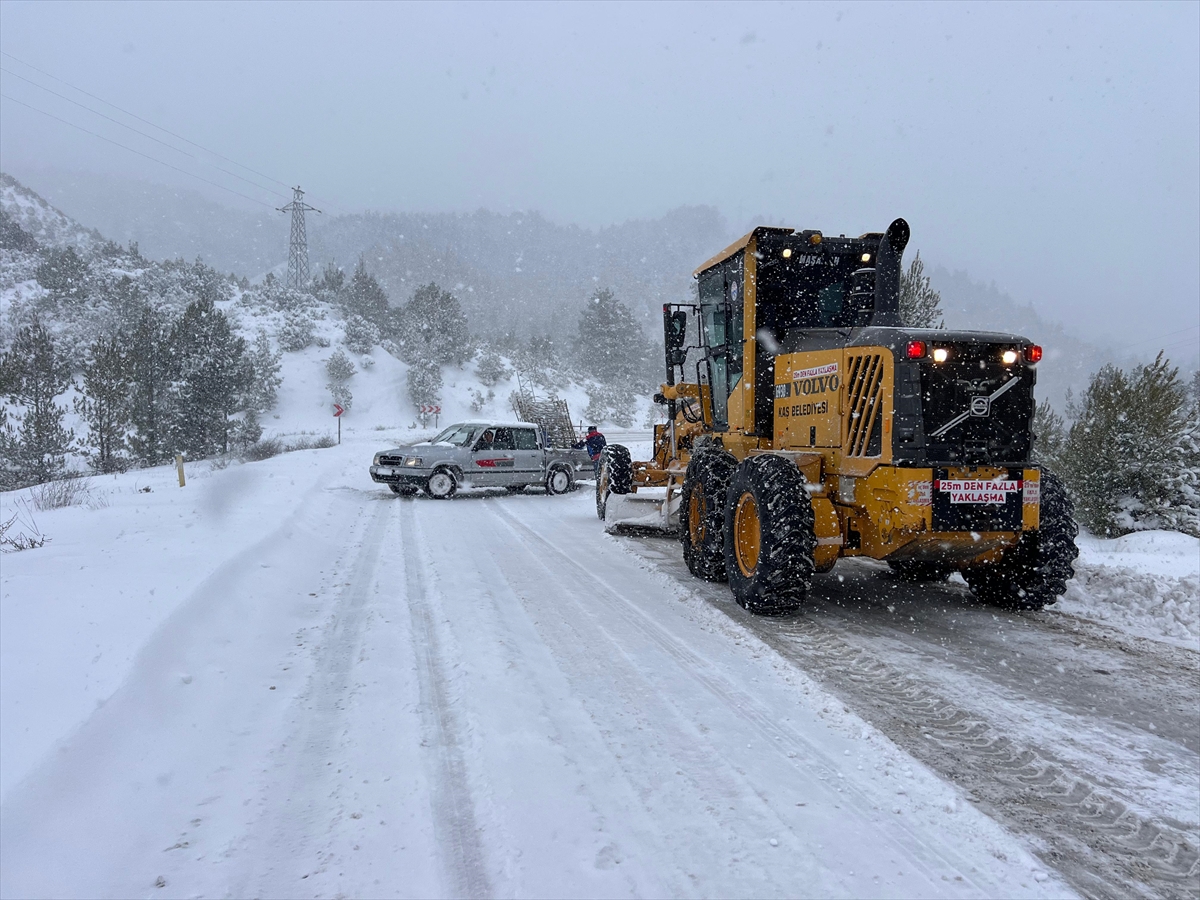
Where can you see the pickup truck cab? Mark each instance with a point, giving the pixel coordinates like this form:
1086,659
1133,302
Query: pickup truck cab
512,455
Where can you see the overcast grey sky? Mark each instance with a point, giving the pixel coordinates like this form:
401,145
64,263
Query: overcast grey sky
1054,149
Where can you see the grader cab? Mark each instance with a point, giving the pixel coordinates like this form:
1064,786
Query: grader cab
807,423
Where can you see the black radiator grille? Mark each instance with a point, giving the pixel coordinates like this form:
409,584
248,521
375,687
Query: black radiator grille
864,402
999,435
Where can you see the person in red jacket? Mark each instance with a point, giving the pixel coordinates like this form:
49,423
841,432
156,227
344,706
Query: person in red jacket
594,442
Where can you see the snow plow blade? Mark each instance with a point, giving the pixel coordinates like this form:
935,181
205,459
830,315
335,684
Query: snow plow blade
648,510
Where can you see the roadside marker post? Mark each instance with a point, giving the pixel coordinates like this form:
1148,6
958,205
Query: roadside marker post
179,468
429,410
337,414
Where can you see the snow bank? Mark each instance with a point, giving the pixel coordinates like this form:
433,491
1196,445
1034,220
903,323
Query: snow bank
1147,584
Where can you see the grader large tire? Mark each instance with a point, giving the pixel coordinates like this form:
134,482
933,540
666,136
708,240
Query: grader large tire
702,513
1034,573
615,475
769,536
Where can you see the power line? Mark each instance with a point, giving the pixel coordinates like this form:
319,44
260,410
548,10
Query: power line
1161,336
142,133
138,152
159,127
145,121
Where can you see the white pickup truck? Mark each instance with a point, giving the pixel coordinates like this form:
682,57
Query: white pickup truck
512,455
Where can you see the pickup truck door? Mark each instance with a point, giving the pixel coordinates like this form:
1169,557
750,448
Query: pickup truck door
529,462
492,462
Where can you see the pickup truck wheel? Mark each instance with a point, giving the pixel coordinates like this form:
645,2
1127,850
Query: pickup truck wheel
558,481
441,485
404,490
769,535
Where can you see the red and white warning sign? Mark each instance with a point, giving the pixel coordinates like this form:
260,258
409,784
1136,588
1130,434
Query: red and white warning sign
995,492
431,410
1032,493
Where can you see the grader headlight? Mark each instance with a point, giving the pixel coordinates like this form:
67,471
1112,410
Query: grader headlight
1008,357
940,354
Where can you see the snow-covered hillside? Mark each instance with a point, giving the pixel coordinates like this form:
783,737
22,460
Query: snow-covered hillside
47,225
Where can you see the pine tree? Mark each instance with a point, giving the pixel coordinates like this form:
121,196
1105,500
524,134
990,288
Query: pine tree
35,374
433,328
340,370
1132,456
264,377
296,333
361,335
424,382
362,296
151,364
105,404
1049,437
920,304
490,369
610,345
331,280
14,237
211,378
63,273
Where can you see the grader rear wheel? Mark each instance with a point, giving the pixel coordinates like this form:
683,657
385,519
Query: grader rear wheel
1034,573
769,536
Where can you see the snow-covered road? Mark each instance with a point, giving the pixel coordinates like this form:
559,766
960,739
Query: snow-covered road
302,685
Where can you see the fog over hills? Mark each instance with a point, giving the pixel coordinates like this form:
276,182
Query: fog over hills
513,273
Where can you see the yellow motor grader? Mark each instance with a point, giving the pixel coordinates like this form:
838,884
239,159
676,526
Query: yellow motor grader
816,426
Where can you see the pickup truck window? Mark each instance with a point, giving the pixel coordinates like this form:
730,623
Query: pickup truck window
526,439
458,435
503,439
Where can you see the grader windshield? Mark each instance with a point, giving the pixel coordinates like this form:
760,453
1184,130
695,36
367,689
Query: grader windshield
801,285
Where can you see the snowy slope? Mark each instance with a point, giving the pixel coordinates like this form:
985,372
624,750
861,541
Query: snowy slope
1146,583
48,225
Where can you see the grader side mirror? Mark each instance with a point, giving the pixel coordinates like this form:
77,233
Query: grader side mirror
675,333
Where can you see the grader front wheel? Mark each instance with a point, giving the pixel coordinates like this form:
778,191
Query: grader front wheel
614,475
769,536
702,513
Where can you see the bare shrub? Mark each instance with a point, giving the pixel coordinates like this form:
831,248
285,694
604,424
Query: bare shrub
60,493
264,450
30,537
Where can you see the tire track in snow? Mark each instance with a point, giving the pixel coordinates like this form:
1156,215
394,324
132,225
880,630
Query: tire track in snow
453,806
600,663
320,714
744,704
1098,843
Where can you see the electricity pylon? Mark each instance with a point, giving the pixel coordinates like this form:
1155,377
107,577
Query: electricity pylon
297,273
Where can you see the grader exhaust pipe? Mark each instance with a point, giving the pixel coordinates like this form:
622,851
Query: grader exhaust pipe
887,274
